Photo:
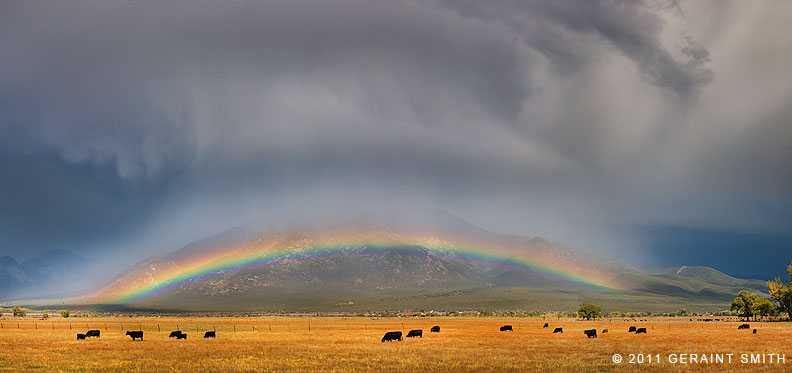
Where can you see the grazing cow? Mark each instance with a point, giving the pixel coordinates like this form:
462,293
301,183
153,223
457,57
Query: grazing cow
754,331
135,334
591,333
210,334
392,336
174,333
640,330
415,333
558,330
435,329
92,333
631,330
80,336
744,326
506,327
545,325
181,336
604,331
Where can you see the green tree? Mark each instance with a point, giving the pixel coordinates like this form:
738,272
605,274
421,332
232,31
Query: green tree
18,312
64,313
44,315
744,304
589,311
782,294
764,308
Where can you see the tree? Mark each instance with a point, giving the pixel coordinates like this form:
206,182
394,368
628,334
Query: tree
763,308
745,303
589,311
18,312
64,313
44,315
782,294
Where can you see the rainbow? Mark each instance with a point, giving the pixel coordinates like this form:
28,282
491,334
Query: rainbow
202,268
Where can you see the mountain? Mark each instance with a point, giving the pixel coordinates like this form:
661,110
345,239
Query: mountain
435,260
47,274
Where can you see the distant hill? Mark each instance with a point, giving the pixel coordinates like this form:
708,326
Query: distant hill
432,261
49,273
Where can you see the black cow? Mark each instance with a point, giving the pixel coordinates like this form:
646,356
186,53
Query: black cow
640,330
545,325
506,327
135,334
604,331
415,333
631,330
392,336
81,336
92,333
754,331
591,333
744,326
435,329
174,333
210,334
558,330
181,336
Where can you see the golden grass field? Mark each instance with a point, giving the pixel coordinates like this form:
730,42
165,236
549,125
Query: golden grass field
353,344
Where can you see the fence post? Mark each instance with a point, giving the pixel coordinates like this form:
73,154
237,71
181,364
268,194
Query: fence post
234,328
69,326
158,328
270,326
309,326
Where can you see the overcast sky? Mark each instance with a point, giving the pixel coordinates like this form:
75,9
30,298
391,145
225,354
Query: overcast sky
659,131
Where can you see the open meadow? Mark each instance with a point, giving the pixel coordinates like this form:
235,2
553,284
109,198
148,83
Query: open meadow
353,344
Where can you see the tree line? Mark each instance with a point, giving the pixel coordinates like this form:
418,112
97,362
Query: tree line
750,305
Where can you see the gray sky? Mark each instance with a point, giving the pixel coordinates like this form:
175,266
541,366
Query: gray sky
132,127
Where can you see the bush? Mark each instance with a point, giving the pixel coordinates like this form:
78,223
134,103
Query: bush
64,313
44,315
18,312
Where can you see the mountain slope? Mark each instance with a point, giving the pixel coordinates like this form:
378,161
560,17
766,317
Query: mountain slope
377,262
49,273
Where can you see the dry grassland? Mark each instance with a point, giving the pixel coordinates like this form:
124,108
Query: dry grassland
353,344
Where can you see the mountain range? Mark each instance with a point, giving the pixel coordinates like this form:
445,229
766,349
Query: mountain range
435,261
52,273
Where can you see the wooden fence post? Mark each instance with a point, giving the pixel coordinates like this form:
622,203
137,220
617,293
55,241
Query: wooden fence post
158,328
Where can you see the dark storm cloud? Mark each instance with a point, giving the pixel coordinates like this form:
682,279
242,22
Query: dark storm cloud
156,123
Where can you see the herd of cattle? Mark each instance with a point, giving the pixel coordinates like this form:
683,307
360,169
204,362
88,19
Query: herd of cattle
397,336
590,333
135,334
389,336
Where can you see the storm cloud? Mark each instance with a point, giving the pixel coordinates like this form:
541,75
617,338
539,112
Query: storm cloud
138,126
